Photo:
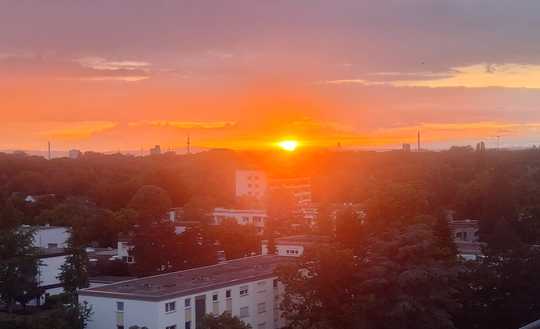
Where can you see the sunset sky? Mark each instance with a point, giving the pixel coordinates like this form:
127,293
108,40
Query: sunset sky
112,75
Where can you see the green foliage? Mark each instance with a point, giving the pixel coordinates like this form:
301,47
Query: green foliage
18,267
500,291
150,202
223,321
237,240
400,280
61,317
74,272
349,229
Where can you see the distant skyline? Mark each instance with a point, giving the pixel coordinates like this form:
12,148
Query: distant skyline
121,75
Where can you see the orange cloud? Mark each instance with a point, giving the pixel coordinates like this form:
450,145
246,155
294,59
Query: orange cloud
78,130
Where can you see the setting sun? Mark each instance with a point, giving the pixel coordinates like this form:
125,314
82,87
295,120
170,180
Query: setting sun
288,145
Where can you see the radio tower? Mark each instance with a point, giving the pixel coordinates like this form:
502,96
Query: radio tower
49,149
418,141
188,145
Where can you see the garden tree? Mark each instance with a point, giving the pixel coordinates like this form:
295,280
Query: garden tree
401,279
500,290
237,240
319,290
150,202
59,317
498,203
396,203
74,272
443,236
223,321
349,230
199,209
156,248
406,280
282,210
18,266
198,247
10,216
502,238
92,222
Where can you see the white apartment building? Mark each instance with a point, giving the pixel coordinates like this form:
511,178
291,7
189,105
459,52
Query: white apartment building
256,217
252,183
295,245
246,287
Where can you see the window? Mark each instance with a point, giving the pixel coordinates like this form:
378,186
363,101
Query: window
171,327
275,283
245,219
228,293
170,307
244,312
215,297
188,325
119,327
187,302
261,307
244,291
52,245
120,306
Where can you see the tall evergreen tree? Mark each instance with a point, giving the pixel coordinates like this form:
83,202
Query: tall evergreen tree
74,272
18,266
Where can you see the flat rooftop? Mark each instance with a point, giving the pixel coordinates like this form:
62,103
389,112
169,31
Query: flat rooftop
193,281
303,239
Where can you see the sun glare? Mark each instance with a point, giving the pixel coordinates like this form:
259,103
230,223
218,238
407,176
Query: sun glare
288,145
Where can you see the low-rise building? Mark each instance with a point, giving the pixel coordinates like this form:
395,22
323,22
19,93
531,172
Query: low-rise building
465,230
247,288
74,154
256,217
466,238
295,245
50,236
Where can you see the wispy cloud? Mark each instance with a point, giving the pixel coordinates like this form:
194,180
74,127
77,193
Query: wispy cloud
101,69
483,75
185,124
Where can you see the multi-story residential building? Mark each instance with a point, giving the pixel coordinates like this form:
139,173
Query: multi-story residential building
295,245
251,183
246,288
256,217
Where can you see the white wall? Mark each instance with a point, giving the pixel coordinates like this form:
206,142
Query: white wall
241,216
136,313
49,269
291,250
51,235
